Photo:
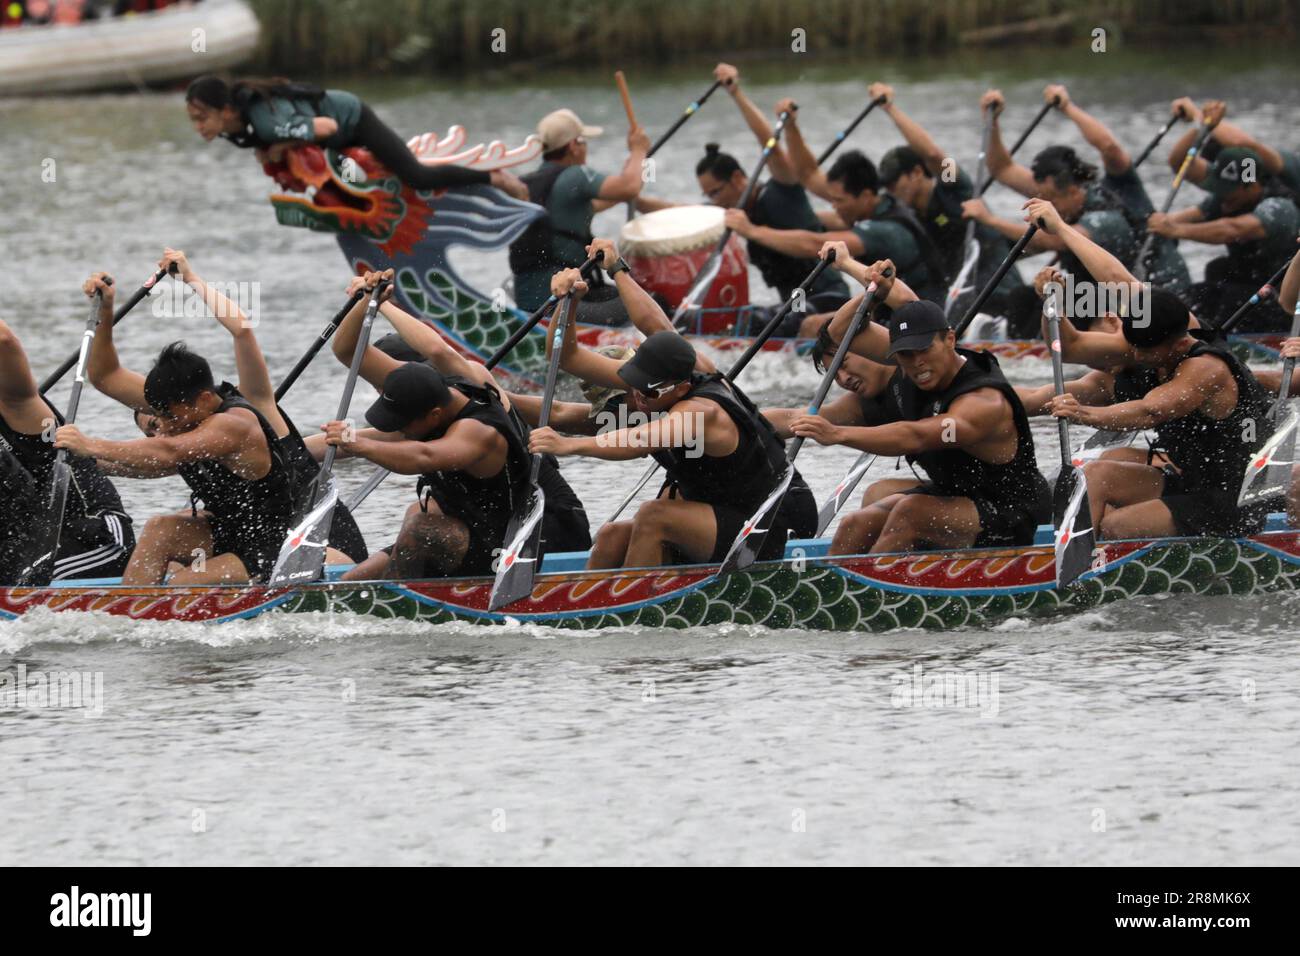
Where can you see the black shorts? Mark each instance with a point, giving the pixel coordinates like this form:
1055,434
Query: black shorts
98,547
345,536
797,517
1002,523
1212,511
258,548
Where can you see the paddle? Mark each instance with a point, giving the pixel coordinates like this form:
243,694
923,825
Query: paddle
668,134
302,556
1140,263
1047,108
844,134
518,562
1264,293
621,80
704,278
992,284
1071,513
1158,137
326,334
972,244
841,492
744,550
753,349
41,571
1269,471
380,473
53,378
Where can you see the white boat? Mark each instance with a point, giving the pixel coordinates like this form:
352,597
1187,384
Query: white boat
127,52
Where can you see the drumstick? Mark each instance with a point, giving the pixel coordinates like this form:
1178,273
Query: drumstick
627,97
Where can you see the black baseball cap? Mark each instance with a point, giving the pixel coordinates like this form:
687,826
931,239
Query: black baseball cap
914,326
1234,167
661,360
410,391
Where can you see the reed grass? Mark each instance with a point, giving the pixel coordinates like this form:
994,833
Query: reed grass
332,36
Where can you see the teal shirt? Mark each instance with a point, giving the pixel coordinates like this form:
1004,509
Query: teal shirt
276,119
1281,221
569,208
883,239
1168,269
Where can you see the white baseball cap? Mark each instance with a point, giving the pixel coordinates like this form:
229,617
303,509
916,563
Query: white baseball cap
563,127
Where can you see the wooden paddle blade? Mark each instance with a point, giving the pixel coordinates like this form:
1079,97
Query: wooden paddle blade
519,558
49,533
842,491
1072,519
744,550
1268,474
302,556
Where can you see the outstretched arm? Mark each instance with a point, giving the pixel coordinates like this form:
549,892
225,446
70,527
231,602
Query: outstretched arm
20,403
426,340
917,138
971,419
1185,392
375,365
998,159
1114,158
778,164
103,367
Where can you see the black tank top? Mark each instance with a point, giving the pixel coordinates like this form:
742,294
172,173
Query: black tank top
1017,482
484,504
535,248
744,478
263,505
91,493
1213,453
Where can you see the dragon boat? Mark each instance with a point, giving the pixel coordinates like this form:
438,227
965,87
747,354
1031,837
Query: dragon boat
381,223
807,590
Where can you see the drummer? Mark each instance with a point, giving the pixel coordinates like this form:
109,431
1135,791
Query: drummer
779,203
572,193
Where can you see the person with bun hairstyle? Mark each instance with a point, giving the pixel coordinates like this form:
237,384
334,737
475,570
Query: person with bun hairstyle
276,114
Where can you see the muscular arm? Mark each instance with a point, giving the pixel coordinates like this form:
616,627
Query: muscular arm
1194,380
20,402
917,138
571,417
466,446
842,410
802,244
1230,134
627,183
250,364
106,371
669,431
973,418
1220,231
219,437
1114,158
1290,289
426,340
375,365
803,162
1003,168
1095,388
778,164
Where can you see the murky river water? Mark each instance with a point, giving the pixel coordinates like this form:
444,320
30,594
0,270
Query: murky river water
1154,732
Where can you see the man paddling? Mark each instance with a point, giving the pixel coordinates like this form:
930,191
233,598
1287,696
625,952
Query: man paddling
572,193
780,202
721,457
925,179
1256,219
1282,163
877,226
952,412
1210,413
95,539
458,434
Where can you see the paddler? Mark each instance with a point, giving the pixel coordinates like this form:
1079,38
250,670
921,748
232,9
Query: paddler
929,182
1059,175
223,448
780,202
721,457
95,537
1282,163
952,412
1255,217
450,423
276,114
871,223
572,193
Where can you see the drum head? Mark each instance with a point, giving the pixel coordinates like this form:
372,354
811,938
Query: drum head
672,231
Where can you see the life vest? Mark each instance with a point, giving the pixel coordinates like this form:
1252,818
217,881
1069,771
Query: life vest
742,479
242,97
484,504
929,255
1098,198
780,271
956,471
260,507
536,248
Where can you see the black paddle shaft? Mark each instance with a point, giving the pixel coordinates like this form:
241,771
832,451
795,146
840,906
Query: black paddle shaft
531,322
1156,140
845,133
1140,263
686,114
354,370
1266,291
325,335
53,378
992,284
773,323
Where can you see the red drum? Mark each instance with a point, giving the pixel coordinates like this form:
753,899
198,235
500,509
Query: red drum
666,249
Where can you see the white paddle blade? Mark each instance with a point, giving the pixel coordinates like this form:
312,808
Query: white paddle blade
1268,474
517,564
302,556
1075,537
841,492
744,550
